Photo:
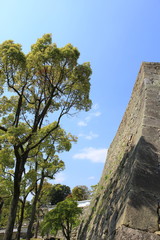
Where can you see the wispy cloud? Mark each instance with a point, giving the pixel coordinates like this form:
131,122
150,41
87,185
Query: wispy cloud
60,178
91,178
96,155
91,115
95,106
82,123
96,114
89,136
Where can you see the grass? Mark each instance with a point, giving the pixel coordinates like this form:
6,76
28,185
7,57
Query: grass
36,238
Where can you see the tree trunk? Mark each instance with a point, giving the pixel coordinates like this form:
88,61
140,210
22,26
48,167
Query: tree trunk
30,226
19,168
21,220
36,229
66,232
13,208
1,204
33,213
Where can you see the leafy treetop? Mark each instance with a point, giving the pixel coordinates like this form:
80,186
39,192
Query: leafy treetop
64,217
46,82
80,193
58,193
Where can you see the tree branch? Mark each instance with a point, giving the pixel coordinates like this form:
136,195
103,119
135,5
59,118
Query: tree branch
3,128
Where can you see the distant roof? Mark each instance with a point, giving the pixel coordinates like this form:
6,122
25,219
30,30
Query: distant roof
84,203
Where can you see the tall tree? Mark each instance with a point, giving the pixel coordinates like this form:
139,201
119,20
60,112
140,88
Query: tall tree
46,165
48,80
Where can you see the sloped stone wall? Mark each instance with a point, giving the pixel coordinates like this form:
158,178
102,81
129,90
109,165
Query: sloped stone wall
128,193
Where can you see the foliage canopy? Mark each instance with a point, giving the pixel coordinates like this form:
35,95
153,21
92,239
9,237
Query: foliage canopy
80,193
58,193
63,217
45,84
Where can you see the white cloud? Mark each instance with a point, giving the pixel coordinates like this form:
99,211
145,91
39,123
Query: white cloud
91,178
82,123
97,114
60,178
89,136
93,154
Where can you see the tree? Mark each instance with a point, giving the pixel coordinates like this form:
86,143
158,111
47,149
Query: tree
64,217
26,187
42,201
44,197
80,193
6,191
44,173
93,190
1,204
46,165
48,80
6,186
58,193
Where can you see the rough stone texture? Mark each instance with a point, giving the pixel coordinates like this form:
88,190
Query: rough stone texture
124,233
129,190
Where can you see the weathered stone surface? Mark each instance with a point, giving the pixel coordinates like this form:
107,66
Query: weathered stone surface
125,233
128,192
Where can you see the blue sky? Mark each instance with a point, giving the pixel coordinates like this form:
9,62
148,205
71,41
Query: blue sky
115,36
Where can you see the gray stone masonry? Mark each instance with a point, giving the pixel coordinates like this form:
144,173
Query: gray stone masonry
126,205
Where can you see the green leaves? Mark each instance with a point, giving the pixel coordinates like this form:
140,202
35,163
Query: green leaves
12,61
63,217
48,79
11,52
81,193
58,193
6,158
37,90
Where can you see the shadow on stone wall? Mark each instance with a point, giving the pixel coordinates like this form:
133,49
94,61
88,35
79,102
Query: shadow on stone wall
131,197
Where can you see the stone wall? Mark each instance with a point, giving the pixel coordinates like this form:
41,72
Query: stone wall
128,193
